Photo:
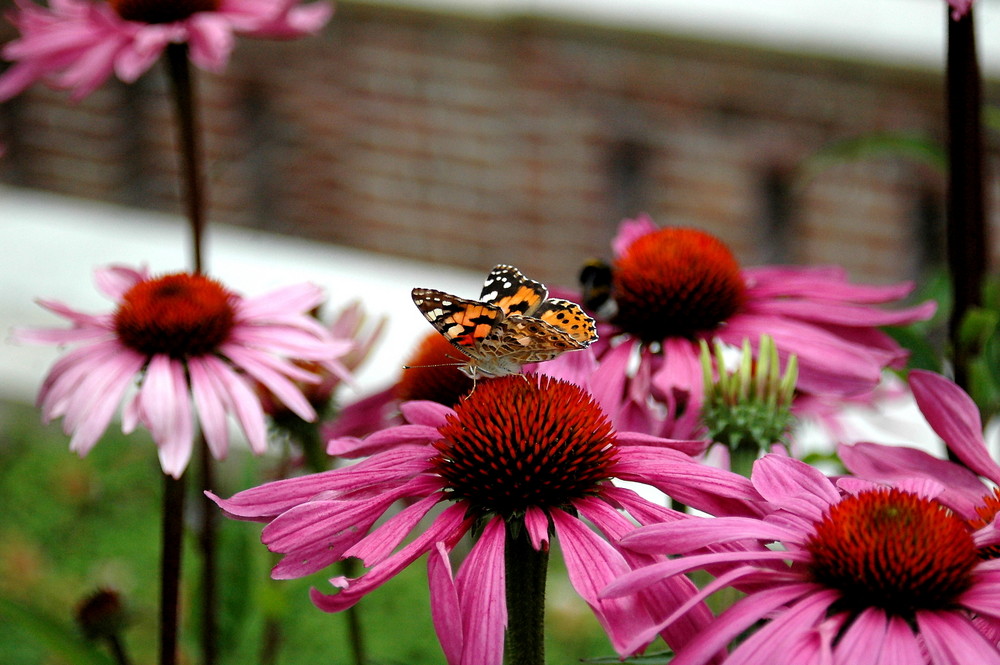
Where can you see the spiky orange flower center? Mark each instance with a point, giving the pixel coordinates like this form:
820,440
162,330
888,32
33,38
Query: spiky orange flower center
178,315
893,550
161,11
523,441
432,373
986,513
676,282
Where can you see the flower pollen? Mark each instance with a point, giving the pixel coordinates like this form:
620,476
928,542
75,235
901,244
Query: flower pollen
161,11
178,315
894,550
432,373
522,441
676,282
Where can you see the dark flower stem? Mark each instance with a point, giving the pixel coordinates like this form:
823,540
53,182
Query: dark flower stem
183,89
966,228
207,541
118,649
170,566
526,570
179,69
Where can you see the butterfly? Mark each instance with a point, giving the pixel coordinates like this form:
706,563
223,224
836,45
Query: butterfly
513,323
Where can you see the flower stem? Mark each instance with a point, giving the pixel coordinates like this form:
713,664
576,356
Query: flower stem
525,572
118,649
179,69
207,542
170,566
184,104
966,228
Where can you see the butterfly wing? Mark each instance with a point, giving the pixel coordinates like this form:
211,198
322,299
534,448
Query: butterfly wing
507,288
464,323
570,319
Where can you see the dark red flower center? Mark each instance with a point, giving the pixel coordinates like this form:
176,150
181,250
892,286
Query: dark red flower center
676,282
161,11
521,441
893,550
432,373
178,315
985,514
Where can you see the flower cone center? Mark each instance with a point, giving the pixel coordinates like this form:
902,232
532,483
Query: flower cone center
178,315
432,373
161,11
522,441
893,550
676,282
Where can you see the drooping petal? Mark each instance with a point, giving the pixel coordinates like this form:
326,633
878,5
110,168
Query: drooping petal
953,415
592,563
447,528
481,584
951,640
446,612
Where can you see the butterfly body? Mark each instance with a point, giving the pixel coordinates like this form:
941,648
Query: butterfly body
513,323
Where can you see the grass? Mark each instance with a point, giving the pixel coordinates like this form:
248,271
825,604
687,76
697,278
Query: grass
74,525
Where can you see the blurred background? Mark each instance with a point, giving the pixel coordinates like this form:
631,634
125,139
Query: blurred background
472,132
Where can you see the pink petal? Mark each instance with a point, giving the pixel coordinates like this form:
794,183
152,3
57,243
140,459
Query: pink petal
592,563
271,372
481,584
210,399
114,281
788,632
445,609
901,646
267,501
818,283
963,489
713,490
447,527
688,535
688,447
211,40
400,435
631,229
795,486
243,401
429,414
955,418
536,522
746,612
950,639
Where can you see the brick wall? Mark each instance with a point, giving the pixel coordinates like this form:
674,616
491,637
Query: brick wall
473,142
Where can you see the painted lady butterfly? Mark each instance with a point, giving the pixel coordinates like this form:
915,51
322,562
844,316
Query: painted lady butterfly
513,323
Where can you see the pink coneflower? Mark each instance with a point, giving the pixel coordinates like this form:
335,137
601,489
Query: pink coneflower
882,575
79,44
521,454
674,286
189,342
955,418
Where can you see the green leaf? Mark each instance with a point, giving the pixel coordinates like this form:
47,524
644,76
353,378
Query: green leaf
52,634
